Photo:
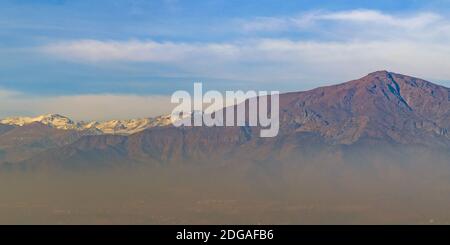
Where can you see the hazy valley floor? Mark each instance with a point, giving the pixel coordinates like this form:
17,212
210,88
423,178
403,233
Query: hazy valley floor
318,193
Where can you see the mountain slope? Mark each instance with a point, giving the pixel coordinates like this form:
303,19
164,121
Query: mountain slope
20,143
381,105
5,128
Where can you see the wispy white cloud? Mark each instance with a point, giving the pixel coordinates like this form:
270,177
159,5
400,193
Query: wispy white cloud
358,16
282,59
135,50
418,20
278,23
351,44
84,107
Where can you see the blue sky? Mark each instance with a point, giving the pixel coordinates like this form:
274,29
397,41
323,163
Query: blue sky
58,51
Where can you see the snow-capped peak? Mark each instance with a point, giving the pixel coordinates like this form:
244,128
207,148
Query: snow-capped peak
129,126
53,120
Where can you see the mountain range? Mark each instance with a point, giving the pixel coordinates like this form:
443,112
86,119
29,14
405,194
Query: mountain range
382,110
57,121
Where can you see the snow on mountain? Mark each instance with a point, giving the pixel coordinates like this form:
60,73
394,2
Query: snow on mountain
53,120
131,126
124,127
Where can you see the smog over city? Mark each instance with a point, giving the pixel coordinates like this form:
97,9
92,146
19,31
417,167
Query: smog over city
224,113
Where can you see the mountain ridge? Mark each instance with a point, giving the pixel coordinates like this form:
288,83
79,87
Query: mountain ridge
382,109
124,127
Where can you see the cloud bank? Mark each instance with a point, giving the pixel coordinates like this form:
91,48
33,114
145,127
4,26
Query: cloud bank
85,107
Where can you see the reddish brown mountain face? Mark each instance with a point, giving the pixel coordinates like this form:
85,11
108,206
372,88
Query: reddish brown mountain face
381,105
380,108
